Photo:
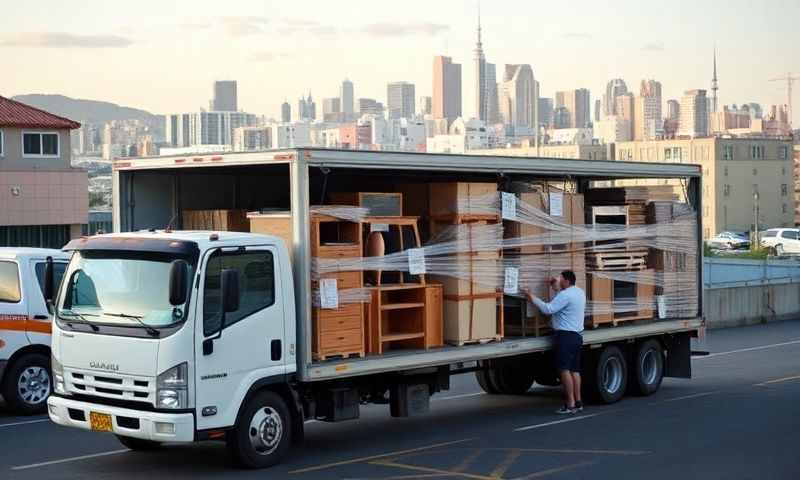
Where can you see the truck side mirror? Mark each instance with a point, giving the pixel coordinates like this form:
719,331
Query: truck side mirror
178,282
230,290
49,282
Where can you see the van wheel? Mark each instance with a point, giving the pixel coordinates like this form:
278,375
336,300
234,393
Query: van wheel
28,383
648,368
138,444
263,433
607,375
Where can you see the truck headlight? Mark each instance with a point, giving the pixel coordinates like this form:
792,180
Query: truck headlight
58,376
172,387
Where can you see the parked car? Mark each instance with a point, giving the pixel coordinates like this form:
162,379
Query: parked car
781,240
729,240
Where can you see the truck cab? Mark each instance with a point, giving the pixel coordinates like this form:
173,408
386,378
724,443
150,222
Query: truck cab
25,327
165,337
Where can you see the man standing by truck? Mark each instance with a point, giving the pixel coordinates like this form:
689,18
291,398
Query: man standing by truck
567,311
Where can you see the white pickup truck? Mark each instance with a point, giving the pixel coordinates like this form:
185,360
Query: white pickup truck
180,336
25,327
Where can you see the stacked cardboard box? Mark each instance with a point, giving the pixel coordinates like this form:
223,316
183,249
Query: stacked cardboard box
219,220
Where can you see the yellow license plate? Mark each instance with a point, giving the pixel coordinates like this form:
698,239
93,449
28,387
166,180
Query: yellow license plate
100,422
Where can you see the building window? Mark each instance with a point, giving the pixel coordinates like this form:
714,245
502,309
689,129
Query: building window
706,233
40,144
783,152
784,190
667,154
783,170
726,190
756,152
785,208
705,211
755,171
726,171
727,152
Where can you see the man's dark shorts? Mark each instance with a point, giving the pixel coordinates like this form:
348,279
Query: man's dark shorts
568,350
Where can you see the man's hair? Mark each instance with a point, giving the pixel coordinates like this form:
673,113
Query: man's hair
569,276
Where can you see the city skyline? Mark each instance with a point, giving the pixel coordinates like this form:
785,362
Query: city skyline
110,49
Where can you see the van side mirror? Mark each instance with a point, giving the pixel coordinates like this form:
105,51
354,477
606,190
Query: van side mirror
178,282
49,282
230,290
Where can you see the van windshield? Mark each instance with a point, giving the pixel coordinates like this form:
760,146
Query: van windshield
119,288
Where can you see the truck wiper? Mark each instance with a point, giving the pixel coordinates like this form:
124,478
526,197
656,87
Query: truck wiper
81,317
154,332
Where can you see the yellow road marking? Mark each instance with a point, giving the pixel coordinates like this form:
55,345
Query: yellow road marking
432,470
777,380
511,457
551,471
465,464
375,457
571,450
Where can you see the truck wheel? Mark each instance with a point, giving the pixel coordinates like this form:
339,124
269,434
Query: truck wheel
607,375
512,378
486,384
28,383
263,433
648,368
138,444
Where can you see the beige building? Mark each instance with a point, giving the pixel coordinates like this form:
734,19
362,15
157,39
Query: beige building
734,169
43,200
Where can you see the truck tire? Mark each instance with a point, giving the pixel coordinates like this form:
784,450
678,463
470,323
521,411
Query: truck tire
648,368
138,444
607,375
28,382
486,383
512,378
263,433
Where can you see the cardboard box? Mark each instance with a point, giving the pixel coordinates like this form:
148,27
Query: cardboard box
460,198
572,213
216,220
278,224
457,315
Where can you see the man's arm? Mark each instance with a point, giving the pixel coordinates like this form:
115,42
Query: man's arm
558,304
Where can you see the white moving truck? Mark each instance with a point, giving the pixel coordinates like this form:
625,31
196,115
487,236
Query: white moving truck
227,354
25,327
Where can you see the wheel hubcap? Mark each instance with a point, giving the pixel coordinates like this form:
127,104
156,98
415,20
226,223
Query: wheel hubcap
612,375
33,385
649,367
266,430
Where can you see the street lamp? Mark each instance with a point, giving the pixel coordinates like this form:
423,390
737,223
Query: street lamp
756,243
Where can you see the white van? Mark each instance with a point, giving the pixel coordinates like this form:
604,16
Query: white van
25,327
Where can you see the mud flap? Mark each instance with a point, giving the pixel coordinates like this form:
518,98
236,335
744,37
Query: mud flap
679,356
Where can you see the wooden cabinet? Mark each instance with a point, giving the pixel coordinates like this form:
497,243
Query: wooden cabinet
405,317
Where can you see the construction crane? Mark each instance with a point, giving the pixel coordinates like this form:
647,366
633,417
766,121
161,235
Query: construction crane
789,79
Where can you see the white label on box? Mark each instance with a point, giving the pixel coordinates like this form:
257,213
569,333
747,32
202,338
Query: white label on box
509,202
328,293
556,204
662,306
511,283
530,311
416,261
378,227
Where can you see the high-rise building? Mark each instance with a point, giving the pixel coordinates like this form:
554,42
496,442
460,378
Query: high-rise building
714,86
673,110
346,96
694,114
492,95
577,102
177,130
598,107
625,106
545,112
332,109
425,105
286,112
647,119
225,96
369,106
446,88
614,89
400,99
519,102
479,61
306,109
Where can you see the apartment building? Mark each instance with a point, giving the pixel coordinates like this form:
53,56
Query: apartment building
738,173
43,200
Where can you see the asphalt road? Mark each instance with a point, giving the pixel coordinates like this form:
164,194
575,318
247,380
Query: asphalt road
738,418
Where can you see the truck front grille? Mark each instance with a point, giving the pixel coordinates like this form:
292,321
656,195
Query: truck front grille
111,385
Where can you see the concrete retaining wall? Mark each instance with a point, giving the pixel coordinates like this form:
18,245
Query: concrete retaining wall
736,306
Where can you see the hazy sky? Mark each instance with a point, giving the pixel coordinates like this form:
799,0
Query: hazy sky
164,55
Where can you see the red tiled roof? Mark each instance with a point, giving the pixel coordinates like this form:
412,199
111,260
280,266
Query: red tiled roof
16,114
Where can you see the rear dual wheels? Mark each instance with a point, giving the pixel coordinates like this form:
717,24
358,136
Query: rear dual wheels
610,374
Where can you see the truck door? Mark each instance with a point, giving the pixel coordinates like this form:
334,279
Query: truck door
249,346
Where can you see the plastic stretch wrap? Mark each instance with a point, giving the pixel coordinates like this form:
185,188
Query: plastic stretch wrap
346,295
344,212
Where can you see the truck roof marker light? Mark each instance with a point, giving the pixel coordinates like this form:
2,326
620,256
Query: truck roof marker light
284,156
197,159
213,237
216,158
180,160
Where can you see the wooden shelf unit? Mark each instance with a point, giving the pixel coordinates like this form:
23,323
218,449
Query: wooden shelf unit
404,316
397,227
337,332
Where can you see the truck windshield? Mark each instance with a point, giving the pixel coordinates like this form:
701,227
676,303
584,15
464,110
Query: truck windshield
119,288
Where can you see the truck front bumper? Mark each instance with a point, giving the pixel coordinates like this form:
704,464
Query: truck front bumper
155,426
